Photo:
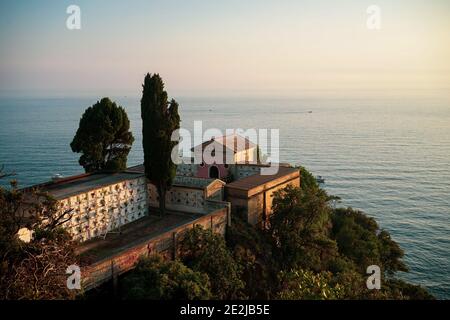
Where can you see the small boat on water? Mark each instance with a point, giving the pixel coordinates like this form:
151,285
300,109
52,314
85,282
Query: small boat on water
320,179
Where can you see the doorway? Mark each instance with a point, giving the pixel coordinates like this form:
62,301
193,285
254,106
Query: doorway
214,172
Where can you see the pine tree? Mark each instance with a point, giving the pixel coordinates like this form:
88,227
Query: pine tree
103,137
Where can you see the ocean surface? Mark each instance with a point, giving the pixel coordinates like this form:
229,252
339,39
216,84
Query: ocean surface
389,157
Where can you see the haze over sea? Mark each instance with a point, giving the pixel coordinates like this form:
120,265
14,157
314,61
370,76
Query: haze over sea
389,157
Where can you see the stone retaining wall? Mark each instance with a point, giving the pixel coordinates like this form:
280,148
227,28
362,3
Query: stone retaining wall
165,244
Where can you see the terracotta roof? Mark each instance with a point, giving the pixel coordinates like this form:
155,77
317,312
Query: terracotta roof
233,142
259,180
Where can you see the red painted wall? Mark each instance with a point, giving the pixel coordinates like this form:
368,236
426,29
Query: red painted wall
203,172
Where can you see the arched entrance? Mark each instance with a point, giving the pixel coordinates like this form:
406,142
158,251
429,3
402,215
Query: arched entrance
214,172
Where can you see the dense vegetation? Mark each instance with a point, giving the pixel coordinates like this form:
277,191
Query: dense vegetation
310,251
103,138
154,278
35,269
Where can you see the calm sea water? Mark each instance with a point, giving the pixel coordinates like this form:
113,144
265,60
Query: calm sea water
389,157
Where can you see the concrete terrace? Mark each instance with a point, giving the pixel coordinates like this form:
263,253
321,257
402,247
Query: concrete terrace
105,259
132,234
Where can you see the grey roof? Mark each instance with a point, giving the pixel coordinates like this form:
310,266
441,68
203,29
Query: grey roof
73,186
194,182
234,142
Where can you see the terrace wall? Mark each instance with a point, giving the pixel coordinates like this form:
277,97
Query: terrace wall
165,244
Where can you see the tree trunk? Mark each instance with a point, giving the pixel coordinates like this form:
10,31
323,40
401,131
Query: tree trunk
162,200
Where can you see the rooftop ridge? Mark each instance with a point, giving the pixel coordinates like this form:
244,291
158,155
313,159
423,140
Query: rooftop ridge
57,182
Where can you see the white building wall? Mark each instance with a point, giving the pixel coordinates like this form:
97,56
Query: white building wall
104,209
187,170
179,199
242,171
245,156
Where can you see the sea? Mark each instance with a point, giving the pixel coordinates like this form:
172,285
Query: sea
388,156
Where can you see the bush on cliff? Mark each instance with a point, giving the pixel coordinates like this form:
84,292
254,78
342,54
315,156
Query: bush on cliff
156,279
299,227
204,251
360,239
309,251
252,249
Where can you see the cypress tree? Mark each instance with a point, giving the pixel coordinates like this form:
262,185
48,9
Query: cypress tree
159,119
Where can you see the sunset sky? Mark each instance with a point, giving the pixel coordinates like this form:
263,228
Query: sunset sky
224,47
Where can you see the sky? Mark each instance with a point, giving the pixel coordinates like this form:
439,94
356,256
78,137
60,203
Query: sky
245,47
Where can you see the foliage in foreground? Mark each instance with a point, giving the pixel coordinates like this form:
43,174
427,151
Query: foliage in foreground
33,270
156,279
360,239
341,242
300,226
204,251
252,250
306,285
309,251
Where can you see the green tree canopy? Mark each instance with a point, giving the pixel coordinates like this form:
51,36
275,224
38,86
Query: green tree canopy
156,279
305,285
103,137
359,238
307,180
159,120
252,249
299,225
204,251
